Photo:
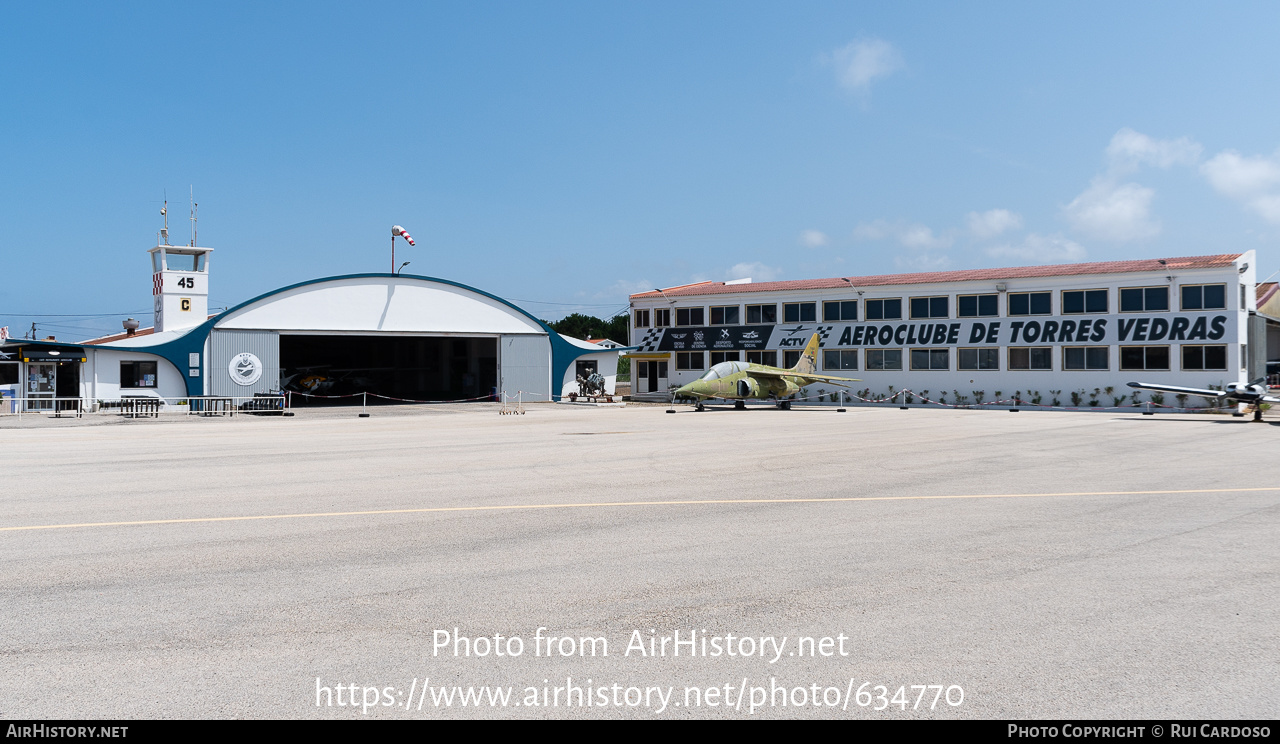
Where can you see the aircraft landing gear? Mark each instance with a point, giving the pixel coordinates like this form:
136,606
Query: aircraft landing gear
1257,413
784,405
700,407
739,405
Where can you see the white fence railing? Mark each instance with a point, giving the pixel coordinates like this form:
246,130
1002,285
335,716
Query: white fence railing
140,406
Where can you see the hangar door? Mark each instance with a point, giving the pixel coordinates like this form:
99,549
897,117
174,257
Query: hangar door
525,362
242,363
401,367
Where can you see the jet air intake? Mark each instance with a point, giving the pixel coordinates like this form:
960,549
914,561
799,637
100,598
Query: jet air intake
748,388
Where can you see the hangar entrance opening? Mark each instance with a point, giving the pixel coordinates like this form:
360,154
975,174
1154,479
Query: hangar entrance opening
414,368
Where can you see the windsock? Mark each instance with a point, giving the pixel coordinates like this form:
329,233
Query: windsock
397,230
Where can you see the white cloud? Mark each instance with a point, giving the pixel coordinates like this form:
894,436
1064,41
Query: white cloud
919,237
1130,149
863,61
1112,211
1045,249
1254,181
1119,212
993,222
875,230
813,238
754,271
923,262
1268,207
914,236
1241,177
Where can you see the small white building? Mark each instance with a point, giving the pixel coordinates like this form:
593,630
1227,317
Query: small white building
1041,332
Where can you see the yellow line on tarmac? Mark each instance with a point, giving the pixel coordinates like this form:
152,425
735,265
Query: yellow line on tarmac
703,502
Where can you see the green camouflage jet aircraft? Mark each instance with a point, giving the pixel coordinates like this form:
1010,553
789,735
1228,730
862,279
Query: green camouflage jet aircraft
741,381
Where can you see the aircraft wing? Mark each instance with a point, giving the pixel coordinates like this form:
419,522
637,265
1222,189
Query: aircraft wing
780,373
1178,389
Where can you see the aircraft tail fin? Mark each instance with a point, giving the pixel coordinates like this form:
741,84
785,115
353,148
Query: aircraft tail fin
808,363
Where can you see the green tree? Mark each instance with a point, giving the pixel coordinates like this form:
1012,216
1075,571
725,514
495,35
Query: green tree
589,326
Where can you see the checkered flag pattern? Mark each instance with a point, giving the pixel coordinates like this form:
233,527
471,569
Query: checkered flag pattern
650,340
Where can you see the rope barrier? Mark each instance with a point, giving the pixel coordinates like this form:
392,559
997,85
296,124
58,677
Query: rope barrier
1010,402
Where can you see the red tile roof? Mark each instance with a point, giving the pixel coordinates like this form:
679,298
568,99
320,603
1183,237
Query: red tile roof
964,275
118,337
1266,290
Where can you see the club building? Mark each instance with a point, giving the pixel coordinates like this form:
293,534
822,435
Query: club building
403,337
1191,321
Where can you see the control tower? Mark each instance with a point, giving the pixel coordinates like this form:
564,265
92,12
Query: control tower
179,280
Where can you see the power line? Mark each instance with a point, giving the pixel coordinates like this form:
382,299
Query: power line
70,315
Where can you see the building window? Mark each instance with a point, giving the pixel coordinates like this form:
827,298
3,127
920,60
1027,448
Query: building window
767,358
1085,357
884,359
929,307
723,356
1079,301
642,319
885,310
1200,358
728,315
1144,299
137,374
970,359
662,317
934,359
1204,297
1031,357
762,314
799,312
690,316
840,310
1029,303
977,306
689,360
1144,357
837,359
8,374
790,359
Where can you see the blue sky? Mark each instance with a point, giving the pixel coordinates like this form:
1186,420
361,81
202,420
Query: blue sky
564,155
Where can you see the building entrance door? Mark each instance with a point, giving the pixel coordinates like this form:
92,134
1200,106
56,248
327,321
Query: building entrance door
41,386
651,376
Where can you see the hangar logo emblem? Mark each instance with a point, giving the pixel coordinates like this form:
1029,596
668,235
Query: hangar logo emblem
245,368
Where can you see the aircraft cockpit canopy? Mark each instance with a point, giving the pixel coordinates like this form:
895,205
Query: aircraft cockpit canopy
724,369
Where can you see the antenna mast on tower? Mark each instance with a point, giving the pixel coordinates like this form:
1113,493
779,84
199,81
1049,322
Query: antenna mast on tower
194,206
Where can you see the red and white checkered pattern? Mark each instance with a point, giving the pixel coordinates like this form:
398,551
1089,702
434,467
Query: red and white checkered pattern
157,283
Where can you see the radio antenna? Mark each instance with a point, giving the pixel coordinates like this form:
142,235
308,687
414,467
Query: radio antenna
164,231
194,206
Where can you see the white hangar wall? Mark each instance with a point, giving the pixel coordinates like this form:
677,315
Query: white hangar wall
684,326
380,304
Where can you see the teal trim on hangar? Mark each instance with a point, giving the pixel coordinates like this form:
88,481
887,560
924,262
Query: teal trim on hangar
176,351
